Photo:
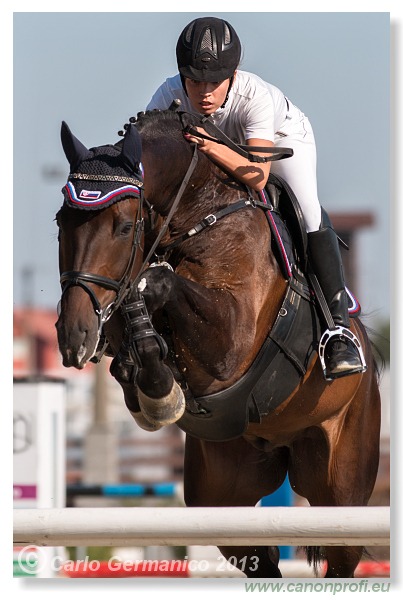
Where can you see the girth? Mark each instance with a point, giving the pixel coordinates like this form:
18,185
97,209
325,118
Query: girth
276,371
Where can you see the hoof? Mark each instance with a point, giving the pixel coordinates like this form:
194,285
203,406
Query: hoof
143,423
165,410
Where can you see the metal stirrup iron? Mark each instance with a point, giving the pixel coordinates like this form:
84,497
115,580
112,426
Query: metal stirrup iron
343,334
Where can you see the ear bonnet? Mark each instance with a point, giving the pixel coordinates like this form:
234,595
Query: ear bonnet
103,175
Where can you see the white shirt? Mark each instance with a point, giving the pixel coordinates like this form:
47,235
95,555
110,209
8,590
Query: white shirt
255,108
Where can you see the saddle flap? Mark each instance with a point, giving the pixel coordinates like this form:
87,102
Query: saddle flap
285,202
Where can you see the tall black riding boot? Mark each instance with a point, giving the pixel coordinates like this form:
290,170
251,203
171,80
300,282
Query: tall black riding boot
341,354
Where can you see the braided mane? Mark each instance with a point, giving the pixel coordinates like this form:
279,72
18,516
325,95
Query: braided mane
161,123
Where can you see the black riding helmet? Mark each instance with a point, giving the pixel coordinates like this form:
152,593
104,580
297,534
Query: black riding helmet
208,49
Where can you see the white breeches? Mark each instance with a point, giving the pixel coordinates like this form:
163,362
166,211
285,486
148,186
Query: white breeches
299,171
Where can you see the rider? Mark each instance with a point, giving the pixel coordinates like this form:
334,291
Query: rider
253,112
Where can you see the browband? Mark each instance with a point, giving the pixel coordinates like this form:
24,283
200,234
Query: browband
119,178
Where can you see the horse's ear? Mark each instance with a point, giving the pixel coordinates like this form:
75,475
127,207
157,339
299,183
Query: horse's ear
74,150
131,149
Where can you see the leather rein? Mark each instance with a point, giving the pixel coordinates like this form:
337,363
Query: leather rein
125,286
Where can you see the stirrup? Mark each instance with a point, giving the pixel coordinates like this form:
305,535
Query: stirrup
340,333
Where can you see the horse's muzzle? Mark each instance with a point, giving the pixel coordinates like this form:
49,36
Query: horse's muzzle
76,345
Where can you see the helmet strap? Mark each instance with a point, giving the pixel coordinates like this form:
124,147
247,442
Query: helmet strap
183,83
231,81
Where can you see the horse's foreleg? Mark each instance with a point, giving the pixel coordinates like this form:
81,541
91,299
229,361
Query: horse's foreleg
125,370
160,398
235,473
196,313
125,374
345,455
210,322
151,393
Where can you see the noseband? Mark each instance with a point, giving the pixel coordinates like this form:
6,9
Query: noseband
81,279
125,287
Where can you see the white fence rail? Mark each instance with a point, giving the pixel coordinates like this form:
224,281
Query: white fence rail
230,526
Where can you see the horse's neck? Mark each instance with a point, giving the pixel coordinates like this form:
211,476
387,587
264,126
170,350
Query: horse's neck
207,192
167,166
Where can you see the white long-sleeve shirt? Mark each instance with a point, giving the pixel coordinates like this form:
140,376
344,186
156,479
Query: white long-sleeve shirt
254,109
257,109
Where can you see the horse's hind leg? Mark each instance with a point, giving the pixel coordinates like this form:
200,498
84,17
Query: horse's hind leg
235,473
338,466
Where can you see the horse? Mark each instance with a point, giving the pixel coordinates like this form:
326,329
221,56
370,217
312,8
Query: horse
199,317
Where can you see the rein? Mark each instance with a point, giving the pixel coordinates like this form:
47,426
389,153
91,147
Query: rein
276,154
171,213
245,151
125,287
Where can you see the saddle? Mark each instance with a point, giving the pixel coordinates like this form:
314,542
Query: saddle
290,346
289,235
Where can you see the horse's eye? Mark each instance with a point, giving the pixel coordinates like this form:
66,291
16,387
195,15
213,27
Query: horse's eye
126,228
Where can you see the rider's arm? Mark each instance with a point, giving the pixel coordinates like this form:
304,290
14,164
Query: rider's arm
255,175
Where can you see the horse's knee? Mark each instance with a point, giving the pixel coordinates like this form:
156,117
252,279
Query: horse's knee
155,286
124,372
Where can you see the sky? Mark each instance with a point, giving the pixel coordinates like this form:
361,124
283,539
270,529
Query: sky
96,69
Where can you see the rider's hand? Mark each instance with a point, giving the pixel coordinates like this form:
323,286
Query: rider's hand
200,142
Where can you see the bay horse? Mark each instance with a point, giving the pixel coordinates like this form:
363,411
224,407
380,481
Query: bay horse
218,290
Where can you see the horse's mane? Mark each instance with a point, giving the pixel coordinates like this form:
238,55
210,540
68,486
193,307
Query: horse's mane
158,122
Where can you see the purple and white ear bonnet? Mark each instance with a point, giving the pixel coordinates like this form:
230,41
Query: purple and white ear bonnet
104,175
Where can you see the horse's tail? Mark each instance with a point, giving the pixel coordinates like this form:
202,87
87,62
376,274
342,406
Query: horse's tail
315,555
375,340
379,359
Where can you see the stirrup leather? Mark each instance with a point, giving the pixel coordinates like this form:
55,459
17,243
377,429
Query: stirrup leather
339,332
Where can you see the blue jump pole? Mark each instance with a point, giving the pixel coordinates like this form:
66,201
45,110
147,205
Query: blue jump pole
281,497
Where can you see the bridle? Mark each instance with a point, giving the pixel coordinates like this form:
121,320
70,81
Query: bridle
122,286
126,285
